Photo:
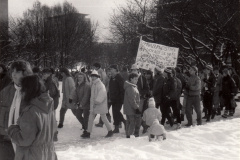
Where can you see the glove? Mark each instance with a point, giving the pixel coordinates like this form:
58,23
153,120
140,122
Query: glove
70,100
137,111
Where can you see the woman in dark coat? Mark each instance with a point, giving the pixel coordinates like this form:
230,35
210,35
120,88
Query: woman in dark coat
4,78
33,134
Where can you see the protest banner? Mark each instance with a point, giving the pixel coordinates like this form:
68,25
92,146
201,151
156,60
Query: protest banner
150,55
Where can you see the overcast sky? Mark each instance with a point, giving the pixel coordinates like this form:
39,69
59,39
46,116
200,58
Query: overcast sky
98,10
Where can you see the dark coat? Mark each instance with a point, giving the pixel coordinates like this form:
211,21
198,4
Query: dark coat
158,83
229,88
170,89
6,98
35,130
53,91
116,91
143,86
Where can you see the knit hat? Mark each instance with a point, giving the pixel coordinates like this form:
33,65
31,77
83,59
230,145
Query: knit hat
95,73
151,102
114,66
134,66
168,70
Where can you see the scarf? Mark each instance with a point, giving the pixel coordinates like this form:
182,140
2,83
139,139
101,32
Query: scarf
14,110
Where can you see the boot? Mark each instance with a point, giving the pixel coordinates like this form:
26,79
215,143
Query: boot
225,115
144,130
179,126
110,134
205,117
230,113
116,129
60,125
85,135
213,113
100,123
127,136
208,118
218,111
55,137
182,117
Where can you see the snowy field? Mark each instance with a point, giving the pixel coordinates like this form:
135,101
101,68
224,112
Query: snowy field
217,140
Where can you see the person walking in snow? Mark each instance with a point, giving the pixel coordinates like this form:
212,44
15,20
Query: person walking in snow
156,131
116,96
34,131
11,106
131,106
228,91
98,105
150,114
81,97
68,85
193,88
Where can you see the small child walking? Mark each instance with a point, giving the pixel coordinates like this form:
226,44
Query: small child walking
151,118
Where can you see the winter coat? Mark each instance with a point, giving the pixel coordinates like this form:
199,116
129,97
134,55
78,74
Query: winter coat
33,134
98,100
103,76
157,129
151,114
68,86
4,80
143,87
208,83
131,98
53,91
229,88
81,95
170,89
6,98
158,88
193,86
116,90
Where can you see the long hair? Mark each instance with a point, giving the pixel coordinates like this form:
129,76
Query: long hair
85,80
66,71
31,87
21,65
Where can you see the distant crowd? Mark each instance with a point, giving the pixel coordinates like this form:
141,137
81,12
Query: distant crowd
30,96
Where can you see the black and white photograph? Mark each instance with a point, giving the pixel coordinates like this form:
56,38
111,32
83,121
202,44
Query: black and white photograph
119,79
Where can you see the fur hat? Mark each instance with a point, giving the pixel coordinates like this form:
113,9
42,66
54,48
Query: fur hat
134,66
95,73
151,102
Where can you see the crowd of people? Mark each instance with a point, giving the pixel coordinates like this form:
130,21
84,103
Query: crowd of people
30,96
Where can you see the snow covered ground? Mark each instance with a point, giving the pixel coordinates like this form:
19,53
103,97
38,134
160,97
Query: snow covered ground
219,139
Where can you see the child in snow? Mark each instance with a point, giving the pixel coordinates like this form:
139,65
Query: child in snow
151,118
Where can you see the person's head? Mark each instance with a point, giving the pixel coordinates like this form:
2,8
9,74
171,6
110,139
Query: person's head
178,70
167,72
207,69
108,73
46,72
158,70
133,78
3,69
20,69
151,102
31,87
64,72
225,71
193,70
174,73
83,69
135,68
36,70
113,69
94,75
231,70
149,74
96,66
81,78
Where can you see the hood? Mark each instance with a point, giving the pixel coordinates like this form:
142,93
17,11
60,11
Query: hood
128,84
44,102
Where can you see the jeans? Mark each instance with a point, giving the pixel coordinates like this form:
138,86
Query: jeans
117,115
104,119
133,124
82,115
195,102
